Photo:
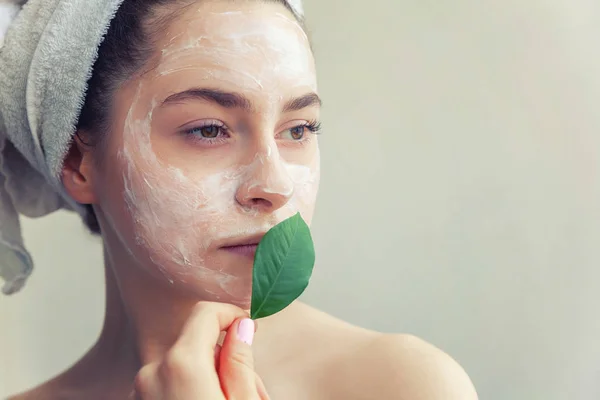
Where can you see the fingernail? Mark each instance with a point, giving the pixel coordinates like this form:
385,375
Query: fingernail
245,331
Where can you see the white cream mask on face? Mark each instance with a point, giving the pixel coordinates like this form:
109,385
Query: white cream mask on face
263,48
179,215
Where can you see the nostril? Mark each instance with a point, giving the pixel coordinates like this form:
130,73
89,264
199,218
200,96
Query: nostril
265,198
257,201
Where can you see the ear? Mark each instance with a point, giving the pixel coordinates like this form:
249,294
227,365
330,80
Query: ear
77,172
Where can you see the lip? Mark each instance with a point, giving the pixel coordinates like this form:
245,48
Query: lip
247,250
244,241
245,246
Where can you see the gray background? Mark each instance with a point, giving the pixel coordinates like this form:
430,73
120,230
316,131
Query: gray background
460,197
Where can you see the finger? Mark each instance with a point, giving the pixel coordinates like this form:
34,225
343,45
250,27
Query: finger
261,389
202,329
236,371
217,357
146,386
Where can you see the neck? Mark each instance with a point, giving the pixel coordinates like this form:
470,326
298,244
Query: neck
143,313
143,321
113,360
116,327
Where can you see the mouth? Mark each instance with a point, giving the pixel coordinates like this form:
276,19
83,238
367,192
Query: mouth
246,250
245,246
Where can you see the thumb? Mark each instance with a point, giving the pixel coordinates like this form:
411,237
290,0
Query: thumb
236,367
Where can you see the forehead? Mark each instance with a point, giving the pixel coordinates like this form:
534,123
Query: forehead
250,44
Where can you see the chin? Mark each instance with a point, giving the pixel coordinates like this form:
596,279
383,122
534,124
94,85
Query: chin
221,277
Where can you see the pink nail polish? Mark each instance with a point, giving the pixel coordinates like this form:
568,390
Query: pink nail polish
245,331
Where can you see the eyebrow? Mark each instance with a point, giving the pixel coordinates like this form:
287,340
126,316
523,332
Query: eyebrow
224,99
299,103
237,100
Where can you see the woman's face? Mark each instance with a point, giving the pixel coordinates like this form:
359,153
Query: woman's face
214,146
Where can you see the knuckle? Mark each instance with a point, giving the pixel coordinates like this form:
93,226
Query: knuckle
143,381
176,367
242,359
201,307
209,307
205,309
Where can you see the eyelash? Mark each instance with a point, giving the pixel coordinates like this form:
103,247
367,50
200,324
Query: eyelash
208,141
313,127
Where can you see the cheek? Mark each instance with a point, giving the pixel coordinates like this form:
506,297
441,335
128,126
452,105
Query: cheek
306,179
175,217
164,218
172,221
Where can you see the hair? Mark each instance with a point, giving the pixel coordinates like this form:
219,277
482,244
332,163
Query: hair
124,51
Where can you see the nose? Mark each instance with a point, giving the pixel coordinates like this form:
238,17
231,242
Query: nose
268,186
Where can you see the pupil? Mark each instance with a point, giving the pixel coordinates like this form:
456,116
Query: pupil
211,131
298,132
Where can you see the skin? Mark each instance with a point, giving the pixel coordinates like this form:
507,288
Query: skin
168,201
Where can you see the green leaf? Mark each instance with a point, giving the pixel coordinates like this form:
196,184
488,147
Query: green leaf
283,264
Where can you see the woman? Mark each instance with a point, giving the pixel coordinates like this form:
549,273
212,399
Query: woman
196,136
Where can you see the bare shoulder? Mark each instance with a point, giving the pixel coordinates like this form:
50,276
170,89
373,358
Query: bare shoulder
38,393
49,391
404,367
43,392
363,364
66,386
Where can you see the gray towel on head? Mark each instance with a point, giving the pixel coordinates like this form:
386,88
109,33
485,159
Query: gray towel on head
45,62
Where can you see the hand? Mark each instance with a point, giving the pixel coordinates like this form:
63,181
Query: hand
195,368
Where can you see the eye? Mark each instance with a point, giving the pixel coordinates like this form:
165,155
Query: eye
299,133
207,132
